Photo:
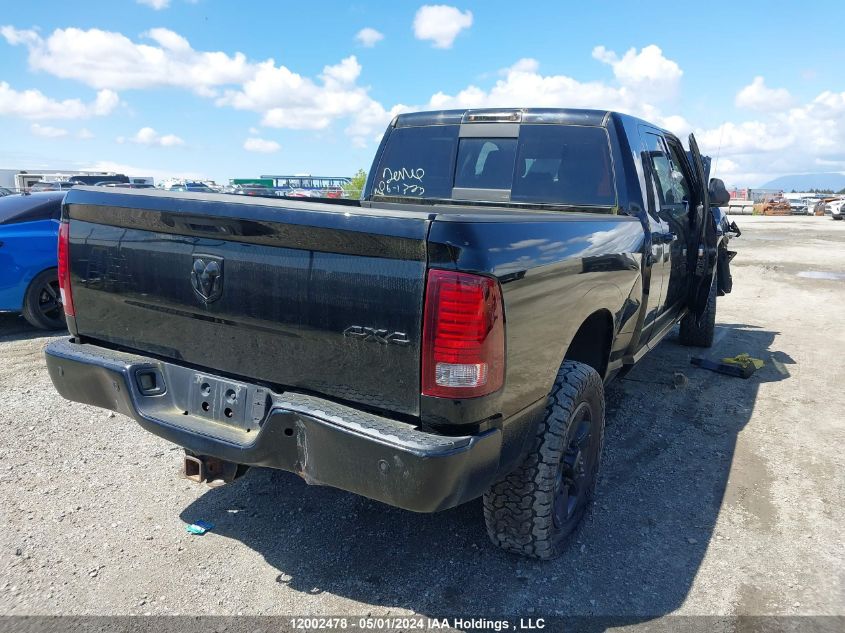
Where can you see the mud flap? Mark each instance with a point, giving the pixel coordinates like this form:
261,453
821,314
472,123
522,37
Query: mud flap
723,271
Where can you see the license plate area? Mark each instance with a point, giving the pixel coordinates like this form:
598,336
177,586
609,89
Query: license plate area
228,402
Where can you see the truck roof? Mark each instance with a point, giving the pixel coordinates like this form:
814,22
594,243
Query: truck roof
560,116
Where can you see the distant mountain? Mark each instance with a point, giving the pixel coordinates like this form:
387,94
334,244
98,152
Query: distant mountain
804,182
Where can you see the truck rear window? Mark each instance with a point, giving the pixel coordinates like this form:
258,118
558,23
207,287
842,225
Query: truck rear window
564,164
546,164
485,163
418,162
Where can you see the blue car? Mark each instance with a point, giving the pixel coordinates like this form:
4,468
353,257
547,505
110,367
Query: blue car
29,229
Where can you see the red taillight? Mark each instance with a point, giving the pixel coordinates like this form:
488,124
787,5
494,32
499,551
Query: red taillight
463,336
64,269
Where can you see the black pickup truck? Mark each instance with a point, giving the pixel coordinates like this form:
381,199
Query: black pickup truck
446,337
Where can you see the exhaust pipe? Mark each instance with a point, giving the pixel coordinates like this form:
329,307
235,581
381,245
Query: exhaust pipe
215,472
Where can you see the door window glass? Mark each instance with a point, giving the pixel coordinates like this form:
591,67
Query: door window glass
661,168
680,186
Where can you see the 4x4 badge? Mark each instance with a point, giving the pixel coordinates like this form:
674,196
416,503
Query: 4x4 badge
376,335
207,277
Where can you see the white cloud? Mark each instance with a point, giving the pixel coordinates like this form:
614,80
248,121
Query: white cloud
148,136
441,24
372,119
289,100
798,139
158,5
105,103
283,98
758,96
647,69
106,59
346,72
47,131
13,36
645,78
33,104
369,37
261,145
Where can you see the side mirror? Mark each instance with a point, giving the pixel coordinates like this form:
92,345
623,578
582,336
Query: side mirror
719,195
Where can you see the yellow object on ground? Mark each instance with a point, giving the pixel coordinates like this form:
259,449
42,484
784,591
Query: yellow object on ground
744,360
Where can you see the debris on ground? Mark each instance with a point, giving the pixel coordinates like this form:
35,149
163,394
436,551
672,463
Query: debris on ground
199,527
744,360
739,366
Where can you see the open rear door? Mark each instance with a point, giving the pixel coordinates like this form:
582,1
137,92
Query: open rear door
703,251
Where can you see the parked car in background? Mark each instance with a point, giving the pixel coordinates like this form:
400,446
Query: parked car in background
828,207
812,205
126,185
196,187
97,179
54,185
29,228
799,206
254,190
837,209
303,193
796,205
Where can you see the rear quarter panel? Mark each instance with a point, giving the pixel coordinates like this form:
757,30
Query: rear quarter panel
27,249
555,271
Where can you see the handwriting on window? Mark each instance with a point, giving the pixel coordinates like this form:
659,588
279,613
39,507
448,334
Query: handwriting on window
401,182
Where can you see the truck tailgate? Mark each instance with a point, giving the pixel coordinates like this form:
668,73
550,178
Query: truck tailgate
304,296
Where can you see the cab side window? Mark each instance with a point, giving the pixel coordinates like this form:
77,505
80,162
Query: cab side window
656,156
666,174
681,187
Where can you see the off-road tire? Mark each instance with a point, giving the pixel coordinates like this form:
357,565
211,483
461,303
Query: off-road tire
523,510
701,334
33,309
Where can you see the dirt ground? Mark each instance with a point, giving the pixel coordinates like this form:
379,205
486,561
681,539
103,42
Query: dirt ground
723,496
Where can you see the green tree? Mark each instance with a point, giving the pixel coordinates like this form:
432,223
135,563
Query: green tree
356,185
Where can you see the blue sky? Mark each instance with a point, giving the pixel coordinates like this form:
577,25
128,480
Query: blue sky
187,88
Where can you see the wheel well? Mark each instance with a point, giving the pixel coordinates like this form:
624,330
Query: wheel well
591,344
36,275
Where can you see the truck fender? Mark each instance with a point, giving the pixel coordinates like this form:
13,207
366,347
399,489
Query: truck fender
604,297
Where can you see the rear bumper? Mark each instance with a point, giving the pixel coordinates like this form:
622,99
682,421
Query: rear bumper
324,442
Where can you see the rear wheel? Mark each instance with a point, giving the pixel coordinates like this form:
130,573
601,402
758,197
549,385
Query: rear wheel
533,509
699,333
42,304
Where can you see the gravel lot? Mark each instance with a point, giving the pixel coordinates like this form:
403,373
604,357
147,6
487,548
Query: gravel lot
723,496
